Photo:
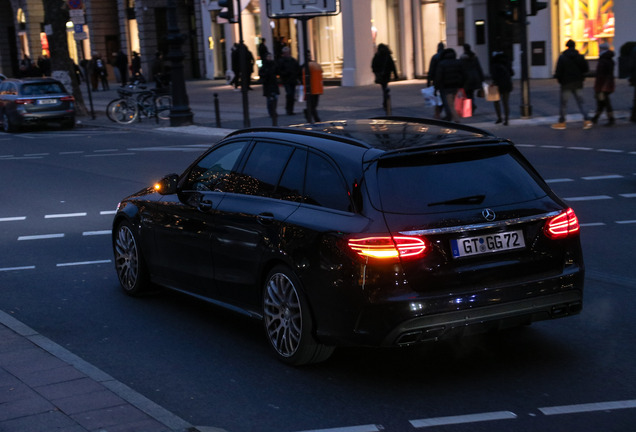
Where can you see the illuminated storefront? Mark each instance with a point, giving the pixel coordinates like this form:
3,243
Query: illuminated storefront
588,23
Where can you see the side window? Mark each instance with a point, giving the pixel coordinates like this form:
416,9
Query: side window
213,172
290,187
264,168
324,185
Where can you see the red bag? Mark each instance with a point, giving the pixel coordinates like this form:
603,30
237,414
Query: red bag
463,105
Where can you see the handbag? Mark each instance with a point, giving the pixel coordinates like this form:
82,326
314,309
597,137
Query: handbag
300,93
491,92
430,98
463,105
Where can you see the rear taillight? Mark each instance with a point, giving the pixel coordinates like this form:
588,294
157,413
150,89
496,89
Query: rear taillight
563,225
24,101
388,247
67,99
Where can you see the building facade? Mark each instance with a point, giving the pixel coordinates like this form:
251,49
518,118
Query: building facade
343,40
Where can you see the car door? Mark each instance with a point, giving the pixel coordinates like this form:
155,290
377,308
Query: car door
184,222
249,220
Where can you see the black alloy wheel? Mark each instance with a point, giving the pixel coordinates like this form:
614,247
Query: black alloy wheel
131,269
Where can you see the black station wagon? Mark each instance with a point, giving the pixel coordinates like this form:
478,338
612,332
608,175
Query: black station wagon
383,232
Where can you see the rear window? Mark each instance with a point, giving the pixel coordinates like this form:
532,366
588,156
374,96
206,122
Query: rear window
40,89
454,181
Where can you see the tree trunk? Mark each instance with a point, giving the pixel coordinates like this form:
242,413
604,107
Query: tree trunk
56,15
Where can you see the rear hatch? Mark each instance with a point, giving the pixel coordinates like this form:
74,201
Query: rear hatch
43,97
482,211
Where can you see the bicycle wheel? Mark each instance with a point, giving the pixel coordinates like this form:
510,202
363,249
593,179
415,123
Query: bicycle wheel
122,111
164,105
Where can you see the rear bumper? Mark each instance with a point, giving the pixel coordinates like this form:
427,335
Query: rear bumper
449,324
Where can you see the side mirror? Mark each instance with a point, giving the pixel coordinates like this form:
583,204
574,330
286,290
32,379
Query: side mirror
167,185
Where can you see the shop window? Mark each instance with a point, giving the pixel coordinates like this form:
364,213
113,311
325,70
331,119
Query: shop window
587,23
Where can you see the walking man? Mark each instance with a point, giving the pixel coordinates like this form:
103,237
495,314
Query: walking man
570,73
604,84
289,71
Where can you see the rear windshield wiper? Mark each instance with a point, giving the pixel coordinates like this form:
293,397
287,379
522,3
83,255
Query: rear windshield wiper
473,199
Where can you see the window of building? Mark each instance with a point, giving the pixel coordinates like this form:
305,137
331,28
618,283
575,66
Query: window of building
588,23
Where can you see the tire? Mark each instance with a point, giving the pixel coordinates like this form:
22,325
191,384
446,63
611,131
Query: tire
288,322
7,126
68,124
122,111
164,105
129,263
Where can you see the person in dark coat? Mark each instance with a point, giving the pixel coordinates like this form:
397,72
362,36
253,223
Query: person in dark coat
501,73
431,74
135,68
383,67
632,81
570,72
449,77
474,75
289,71
121,62
270,86
604,84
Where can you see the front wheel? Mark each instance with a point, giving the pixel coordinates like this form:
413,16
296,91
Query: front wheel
7,126
164,105
288,322
129,263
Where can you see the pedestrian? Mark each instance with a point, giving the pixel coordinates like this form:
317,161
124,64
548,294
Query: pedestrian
604,84
501,73
632,81
239,50
135,68
314,90
236,65
473,74
570,73
289,72
93,74
158,72
383,67
121,62
431,74
102,73
449,77
270,86
44,63
262,50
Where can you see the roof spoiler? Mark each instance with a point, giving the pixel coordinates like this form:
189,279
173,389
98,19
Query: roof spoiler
435,122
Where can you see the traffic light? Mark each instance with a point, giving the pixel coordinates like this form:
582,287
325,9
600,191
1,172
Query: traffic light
510,13
536,6
227,10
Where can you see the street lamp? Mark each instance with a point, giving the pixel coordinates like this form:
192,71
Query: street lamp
180,113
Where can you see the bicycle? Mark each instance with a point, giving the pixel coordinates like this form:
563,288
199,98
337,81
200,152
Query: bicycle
133,104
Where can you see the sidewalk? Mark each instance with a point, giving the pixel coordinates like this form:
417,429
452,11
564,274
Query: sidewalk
362,102
44,387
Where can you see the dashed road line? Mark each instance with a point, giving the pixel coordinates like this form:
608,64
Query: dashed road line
64,215
108,212
589,407
629,195
95,233
588,198
461,419
80,263
40,237
603,177
11,219
8,269
361,428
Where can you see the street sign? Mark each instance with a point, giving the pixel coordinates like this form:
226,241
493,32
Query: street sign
79,28
302,8
81,36
78,19
76,4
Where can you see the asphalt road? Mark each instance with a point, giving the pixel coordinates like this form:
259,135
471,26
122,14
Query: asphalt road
213,368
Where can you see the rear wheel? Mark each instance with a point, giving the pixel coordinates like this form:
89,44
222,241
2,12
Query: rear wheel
7,126
122,111
129,263
164,105
288,322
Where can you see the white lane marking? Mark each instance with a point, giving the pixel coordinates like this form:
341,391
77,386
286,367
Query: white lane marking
592,224
106,150
552,146
6,269
611,151
362,428
71,152
108,212
108,154
588,198
94,233
603,177
589,407
40,237
64,215
23,158
626,222
36,154
79,263
629,195
580,148
561,180
469,418
11,219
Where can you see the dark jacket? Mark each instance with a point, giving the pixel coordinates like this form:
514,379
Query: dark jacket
383,65
268,78
449,73
288,69
501,73
632,67
571,69
604,81
474,75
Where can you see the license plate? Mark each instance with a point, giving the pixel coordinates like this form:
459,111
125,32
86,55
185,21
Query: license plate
495,242
47,101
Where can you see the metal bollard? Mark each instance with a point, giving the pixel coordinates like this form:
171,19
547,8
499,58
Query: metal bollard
217,114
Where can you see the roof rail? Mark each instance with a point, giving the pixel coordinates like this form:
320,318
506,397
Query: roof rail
435,122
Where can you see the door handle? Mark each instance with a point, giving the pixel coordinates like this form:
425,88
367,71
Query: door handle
204,205
265,218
